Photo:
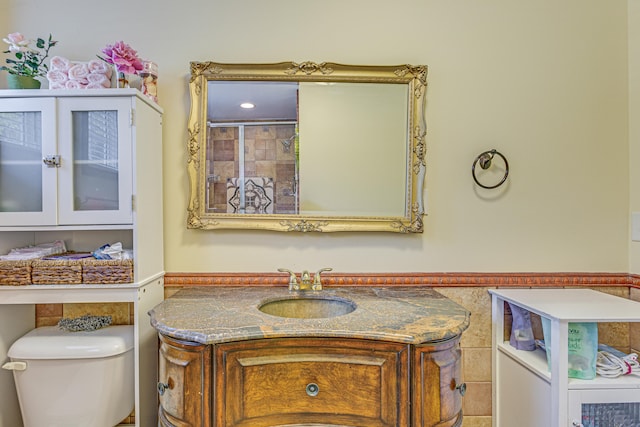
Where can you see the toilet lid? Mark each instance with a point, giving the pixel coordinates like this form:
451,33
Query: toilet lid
50,342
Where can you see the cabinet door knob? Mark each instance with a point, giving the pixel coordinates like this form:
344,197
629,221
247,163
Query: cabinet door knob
462,388
162,387
312,389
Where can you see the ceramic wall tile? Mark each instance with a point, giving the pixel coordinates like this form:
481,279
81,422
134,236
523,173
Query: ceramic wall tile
634,328
475,421
48,314
478,302
476,364
118,311
477,399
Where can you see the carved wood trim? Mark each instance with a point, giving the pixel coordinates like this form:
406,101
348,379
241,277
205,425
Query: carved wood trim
411,279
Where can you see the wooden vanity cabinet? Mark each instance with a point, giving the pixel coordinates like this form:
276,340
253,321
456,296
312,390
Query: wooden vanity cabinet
310,381
184,383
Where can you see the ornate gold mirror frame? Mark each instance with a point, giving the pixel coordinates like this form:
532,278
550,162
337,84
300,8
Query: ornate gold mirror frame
414,77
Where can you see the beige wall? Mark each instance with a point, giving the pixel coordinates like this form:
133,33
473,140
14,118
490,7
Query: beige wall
544,82
634,124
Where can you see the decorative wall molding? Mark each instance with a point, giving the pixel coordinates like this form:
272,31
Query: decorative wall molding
411,279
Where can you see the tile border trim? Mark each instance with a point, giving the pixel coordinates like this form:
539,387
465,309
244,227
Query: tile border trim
411,279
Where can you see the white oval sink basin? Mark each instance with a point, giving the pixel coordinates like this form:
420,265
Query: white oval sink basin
308,307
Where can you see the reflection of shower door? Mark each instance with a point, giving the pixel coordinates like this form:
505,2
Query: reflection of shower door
252,168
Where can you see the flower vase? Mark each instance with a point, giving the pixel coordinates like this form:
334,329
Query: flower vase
123,81
15,81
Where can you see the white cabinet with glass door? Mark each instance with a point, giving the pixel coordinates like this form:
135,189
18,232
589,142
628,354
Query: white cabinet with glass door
65,161
85,167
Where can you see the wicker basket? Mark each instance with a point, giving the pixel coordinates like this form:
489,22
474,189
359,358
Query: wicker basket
107,271
15,273
49,272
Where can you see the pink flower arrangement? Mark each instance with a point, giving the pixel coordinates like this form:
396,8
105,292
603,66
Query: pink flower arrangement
123,57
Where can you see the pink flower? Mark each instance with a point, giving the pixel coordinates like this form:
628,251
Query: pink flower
16,42
123,57
15,38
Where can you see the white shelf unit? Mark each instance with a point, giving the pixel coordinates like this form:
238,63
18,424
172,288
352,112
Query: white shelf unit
525,393
137,224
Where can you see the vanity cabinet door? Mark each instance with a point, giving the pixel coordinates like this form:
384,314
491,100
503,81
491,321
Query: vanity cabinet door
437,386
329,382
183,383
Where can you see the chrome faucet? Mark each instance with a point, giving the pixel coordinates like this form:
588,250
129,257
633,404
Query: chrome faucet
305,284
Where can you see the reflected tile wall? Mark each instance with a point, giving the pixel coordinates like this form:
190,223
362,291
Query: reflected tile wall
269,151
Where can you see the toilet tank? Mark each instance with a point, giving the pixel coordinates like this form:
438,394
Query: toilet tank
74,378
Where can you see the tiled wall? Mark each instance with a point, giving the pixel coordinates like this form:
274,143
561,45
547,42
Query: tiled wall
476,340
475,343
634,330
49,314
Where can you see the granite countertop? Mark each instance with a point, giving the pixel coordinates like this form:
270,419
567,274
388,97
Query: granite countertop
225,314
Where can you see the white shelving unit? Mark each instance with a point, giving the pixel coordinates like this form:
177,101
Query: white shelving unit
525,393
112,194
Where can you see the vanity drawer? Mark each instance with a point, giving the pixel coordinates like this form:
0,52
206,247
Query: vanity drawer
184,371
312,381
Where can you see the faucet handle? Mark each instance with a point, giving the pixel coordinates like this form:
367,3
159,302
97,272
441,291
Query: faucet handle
305,277
293,280
317,279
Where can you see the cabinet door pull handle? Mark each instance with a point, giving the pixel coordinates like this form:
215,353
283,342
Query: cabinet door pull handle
312,389
162,387
51,161
462,388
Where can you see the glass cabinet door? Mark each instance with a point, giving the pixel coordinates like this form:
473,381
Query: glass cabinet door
610,407
27,184
95,178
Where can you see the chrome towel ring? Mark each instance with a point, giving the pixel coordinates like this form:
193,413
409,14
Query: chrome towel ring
484,160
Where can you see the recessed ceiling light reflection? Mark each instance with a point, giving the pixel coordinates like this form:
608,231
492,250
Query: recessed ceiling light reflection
247,105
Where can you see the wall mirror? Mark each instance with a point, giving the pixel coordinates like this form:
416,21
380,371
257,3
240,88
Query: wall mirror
310,147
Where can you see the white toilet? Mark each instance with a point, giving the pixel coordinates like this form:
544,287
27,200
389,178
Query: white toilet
83,379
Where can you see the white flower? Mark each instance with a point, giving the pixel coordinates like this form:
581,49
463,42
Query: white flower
16,42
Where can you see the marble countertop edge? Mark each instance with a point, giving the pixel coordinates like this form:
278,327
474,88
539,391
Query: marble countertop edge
228,314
